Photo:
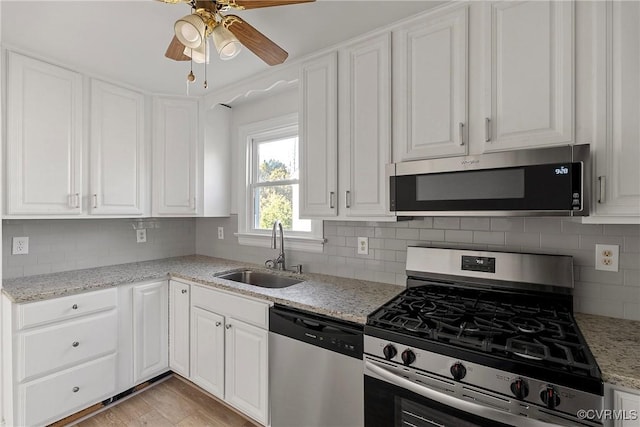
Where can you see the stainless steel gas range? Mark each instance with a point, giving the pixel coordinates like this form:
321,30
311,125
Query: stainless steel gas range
480,338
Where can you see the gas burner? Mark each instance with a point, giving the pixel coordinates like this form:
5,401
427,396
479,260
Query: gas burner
527,325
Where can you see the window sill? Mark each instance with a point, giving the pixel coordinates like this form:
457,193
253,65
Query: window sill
298,243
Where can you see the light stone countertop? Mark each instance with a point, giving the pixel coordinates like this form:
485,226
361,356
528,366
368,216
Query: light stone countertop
615,343
343,298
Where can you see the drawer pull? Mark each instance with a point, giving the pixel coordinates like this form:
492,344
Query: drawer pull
74,306
218,323
228,326
76,389
184,291
75,343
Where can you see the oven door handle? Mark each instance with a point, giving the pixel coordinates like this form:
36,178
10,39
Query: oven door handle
452,401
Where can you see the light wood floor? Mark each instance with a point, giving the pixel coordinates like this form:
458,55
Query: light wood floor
170,403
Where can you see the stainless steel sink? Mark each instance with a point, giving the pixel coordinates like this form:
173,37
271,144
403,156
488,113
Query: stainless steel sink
262,279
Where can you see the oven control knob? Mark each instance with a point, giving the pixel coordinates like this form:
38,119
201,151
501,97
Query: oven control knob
520,389
408,357
458,371
550,397
389,351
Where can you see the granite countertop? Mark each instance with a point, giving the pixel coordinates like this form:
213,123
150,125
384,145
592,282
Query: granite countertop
343,298
615,344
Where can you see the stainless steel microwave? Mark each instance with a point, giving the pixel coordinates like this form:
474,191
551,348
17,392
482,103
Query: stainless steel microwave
544,181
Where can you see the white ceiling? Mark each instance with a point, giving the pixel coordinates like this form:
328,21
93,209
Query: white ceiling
125,41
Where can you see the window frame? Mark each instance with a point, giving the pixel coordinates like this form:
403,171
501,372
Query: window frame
249,136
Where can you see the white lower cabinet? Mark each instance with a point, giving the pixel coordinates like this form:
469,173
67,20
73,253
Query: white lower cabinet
626,407
229,349
150,330
207,351
60,356
179,305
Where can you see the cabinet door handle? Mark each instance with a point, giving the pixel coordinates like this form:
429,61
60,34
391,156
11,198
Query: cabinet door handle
332,203
193,203
75,344
77,200
74,306
184,291
76,389
218,324
461,133
487,129
95,201
347,198
603,186
228,326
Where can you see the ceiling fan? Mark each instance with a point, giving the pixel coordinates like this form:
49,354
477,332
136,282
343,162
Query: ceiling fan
228,32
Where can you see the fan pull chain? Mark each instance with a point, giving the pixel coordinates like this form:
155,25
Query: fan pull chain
190,77
205,58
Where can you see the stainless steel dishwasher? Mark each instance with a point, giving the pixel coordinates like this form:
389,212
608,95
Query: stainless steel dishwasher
316,370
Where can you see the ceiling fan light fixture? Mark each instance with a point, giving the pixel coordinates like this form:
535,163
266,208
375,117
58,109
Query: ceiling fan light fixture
199,54
190,30
227,45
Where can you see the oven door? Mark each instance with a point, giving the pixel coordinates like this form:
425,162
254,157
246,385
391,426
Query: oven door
392,400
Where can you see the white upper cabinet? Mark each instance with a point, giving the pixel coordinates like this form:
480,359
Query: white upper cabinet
175,157
44,138
617,131
529,75
318,132
430,60
364,126
117,151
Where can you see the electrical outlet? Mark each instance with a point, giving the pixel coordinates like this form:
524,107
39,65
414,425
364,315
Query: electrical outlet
220,232
607,257
363,246
20,246
141,235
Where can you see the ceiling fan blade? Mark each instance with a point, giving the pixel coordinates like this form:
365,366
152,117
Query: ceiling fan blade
255,41
206,4
255,4
175,51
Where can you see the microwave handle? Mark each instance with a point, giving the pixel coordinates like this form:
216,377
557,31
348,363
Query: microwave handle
603,186
453,401
487,129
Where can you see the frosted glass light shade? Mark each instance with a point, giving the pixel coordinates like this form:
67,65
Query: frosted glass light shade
226,43
199,54
190,30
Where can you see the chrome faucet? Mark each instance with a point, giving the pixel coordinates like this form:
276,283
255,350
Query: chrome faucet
279,262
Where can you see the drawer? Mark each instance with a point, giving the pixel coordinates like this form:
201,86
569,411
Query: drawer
44,350
59,395
245,309
54,310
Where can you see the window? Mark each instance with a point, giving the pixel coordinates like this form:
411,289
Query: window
271,186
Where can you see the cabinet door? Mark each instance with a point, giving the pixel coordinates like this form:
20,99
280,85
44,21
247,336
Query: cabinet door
44,138
430,86
365,127
246,375
319,137
179,305
617,142
529,74
117,151
175,157
150,330
207,351
628,404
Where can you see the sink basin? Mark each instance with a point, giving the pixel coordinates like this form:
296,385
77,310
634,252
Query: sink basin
262,279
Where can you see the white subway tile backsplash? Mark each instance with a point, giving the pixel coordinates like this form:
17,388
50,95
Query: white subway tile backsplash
395,245
489,237
589,242
559,241
507,224
458,236
475,223
631,244
432,235
385,233
408,233
446,223
574,227
632,278
588,274
531,240
542,225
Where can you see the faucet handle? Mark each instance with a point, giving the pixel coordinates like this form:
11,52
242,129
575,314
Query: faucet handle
270,263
